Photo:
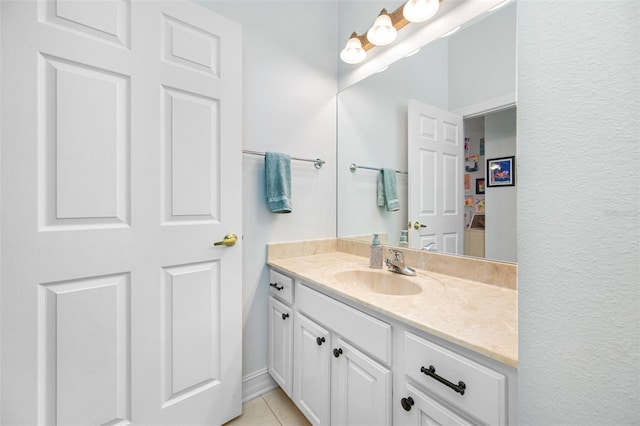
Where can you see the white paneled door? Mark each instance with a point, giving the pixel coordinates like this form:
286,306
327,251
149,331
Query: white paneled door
121,165
436,187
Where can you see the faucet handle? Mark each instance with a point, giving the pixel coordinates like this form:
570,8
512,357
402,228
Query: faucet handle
397,254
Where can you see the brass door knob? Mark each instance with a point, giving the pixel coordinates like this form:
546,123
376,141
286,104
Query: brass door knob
229,240
418,225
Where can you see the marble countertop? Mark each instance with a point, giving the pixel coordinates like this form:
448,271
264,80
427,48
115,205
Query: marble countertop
480,317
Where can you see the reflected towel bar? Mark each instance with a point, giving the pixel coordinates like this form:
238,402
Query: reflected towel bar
354,166
318,163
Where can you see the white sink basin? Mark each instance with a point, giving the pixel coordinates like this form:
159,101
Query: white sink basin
382,282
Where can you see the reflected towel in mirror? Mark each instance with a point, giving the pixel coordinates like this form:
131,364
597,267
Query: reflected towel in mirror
387,190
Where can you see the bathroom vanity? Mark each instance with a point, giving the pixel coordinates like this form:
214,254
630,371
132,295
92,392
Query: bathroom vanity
352,345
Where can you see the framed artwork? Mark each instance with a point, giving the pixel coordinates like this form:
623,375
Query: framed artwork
471,163
467,185
501,171
480,206
480,186
469,201
481,147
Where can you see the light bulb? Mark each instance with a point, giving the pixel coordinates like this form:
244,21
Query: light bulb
420,10
353,53
382,32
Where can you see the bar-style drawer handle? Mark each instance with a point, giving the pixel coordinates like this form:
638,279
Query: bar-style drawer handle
431,372
275,285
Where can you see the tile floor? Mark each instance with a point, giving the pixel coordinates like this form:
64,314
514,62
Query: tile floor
274,408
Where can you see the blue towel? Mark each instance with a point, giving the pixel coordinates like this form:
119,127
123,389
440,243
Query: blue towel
388,179
277,171
380,189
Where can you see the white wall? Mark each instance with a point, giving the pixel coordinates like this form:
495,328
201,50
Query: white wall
482,60
579,212
501,219
289,106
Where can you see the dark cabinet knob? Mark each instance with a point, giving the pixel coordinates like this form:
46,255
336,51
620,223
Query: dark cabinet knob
407,403
320,340
276,286
337,352
285,316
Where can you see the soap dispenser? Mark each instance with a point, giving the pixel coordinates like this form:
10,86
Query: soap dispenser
375,257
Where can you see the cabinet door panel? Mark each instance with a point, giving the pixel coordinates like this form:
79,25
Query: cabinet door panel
311,370
280,343
424,411
361,389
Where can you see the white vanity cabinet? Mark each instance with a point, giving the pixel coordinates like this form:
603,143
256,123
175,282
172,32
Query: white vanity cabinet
281,330
420,409
281,344
312,370
350,365
361,391
337,379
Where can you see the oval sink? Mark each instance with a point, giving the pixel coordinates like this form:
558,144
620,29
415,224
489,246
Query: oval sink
382,282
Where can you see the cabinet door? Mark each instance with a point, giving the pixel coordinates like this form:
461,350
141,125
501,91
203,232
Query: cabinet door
361,388
416,408
280,341
311,370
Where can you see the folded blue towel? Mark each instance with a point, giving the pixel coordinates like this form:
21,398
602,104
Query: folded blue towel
277,171
390,189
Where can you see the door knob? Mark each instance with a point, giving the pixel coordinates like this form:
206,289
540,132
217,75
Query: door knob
418,225
229,240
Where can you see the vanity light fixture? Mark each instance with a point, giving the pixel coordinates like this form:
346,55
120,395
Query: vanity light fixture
386,27
420,10
382,32
353,53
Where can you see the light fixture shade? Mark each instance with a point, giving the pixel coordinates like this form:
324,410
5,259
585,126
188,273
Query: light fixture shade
420,10
382,32
353,53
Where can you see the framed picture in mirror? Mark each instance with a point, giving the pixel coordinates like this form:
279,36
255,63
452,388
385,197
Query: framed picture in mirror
501,171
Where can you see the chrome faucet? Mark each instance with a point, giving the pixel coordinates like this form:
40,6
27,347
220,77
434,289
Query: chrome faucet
397,263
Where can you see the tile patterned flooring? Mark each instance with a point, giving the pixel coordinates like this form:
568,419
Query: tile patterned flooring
274,408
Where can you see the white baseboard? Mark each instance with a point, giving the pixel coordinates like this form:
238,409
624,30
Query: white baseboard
256,384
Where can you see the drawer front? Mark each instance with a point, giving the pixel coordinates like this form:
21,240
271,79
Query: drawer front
368,333
281,286
484,389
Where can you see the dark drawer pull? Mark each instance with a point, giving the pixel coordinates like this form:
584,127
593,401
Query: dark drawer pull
275,285
285,316
337,352
431,372
320,340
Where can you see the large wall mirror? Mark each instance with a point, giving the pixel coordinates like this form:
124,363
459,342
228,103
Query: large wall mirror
470,75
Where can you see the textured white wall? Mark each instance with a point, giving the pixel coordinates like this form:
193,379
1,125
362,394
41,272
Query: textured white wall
579,212
501,224
289,106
